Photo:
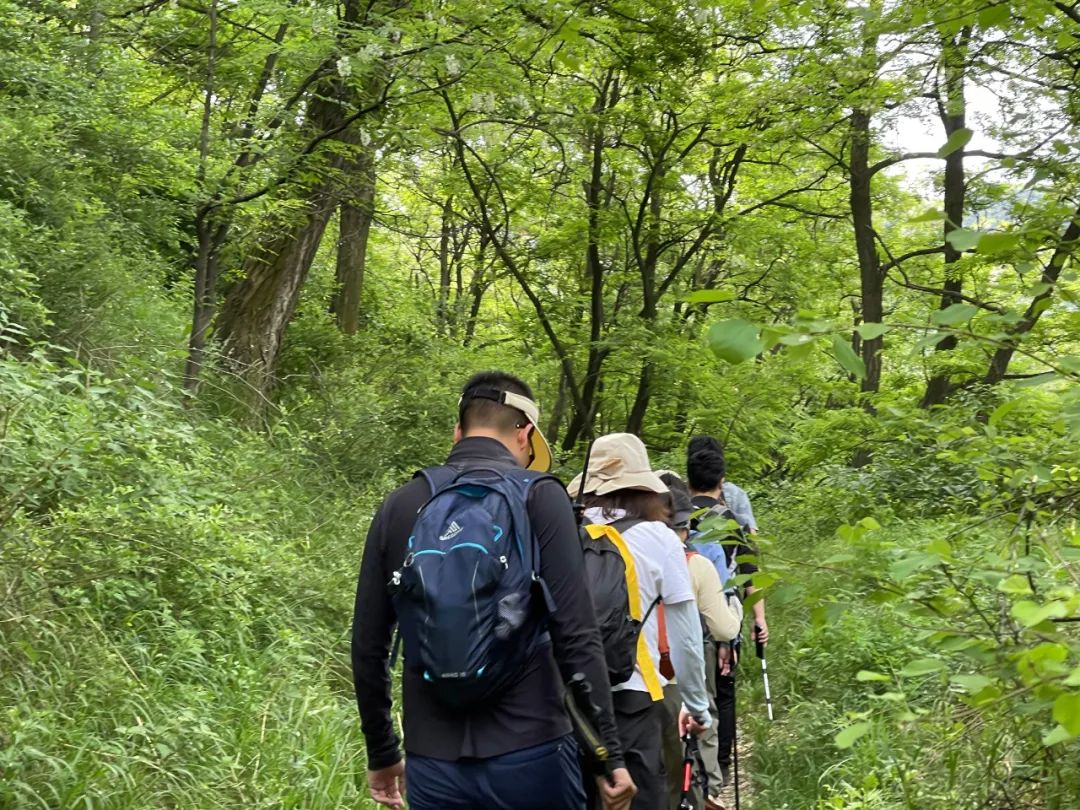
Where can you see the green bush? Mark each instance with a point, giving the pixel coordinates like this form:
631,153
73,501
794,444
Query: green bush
175,602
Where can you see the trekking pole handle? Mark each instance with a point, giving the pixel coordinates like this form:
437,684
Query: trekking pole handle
759,647
585,715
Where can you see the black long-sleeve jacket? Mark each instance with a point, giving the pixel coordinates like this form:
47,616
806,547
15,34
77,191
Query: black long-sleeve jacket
528,713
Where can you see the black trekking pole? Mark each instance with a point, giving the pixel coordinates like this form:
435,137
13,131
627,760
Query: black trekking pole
579,501
764,671
584,716
735,737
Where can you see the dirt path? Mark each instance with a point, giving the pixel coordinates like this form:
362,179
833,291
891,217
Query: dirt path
745,793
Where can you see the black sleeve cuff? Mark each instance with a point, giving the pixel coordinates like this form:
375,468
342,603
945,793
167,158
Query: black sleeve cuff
384,759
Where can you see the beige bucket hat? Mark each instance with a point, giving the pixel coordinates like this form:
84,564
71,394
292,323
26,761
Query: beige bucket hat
618,461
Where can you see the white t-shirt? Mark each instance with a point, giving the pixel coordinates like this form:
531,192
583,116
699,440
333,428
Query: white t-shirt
660,560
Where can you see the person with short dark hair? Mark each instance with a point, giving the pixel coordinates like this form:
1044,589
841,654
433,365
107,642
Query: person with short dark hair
516,751
706,468
710,466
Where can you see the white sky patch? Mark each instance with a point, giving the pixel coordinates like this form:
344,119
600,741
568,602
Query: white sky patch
919,129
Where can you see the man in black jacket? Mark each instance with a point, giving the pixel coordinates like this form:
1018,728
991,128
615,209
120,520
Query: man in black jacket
517,752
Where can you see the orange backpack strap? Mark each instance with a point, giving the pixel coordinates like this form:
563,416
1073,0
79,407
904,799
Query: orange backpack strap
665,648
666,668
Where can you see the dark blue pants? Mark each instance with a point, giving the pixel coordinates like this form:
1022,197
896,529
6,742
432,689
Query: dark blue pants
543,777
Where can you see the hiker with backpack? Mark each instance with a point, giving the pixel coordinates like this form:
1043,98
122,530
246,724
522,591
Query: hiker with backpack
706,468
632,555
478,563
720,623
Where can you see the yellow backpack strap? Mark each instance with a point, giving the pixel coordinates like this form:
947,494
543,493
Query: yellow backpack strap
644,660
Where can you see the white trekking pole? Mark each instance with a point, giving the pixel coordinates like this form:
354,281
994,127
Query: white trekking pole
760,649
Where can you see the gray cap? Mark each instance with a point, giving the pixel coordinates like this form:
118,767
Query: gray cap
681,505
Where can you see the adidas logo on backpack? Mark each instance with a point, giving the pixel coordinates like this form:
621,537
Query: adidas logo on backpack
452,531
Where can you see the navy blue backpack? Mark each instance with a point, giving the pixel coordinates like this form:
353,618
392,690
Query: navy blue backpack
469,599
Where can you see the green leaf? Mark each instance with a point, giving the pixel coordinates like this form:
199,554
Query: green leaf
922,666
846,357
1003,410
869,331
709,296
1030,614
902,569
963,239
868,675
1067,712
892,697
801,351
930,215
994,16
991,244
850,735
1038,379
958,140
734,341
1016,584
1070,364
1060,734
972,684
954,314
1074,678
763,579
931,340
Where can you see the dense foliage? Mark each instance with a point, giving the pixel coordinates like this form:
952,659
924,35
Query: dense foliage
249,251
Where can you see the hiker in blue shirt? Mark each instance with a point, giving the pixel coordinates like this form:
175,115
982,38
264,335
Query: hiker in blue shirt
706,468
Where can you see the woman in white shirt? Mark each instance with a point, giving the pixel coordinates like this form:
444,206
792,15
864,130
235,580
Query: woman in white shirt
621,486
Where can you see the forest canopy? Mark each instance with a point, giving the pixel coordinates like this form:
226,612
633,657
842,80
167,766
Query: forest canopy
251,249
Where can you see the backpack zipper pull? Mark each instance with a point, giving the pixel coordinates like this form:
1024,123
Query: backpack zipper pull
505,564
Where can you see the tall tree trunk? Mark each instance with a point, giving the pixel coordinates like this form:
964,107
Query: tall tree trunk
258,309
558,412
206,252
212,223
356,215
636,420
582,421
210,240
871,279
999,363
953,115
446,224
477,287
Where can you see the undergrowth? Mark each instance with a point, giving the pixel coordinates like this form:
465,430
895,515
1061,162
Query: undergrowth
175,596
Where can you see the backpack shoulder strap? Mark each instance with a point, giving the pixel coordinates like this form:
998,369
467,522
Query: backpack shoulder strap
437,477
645,664
625,524
607,531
